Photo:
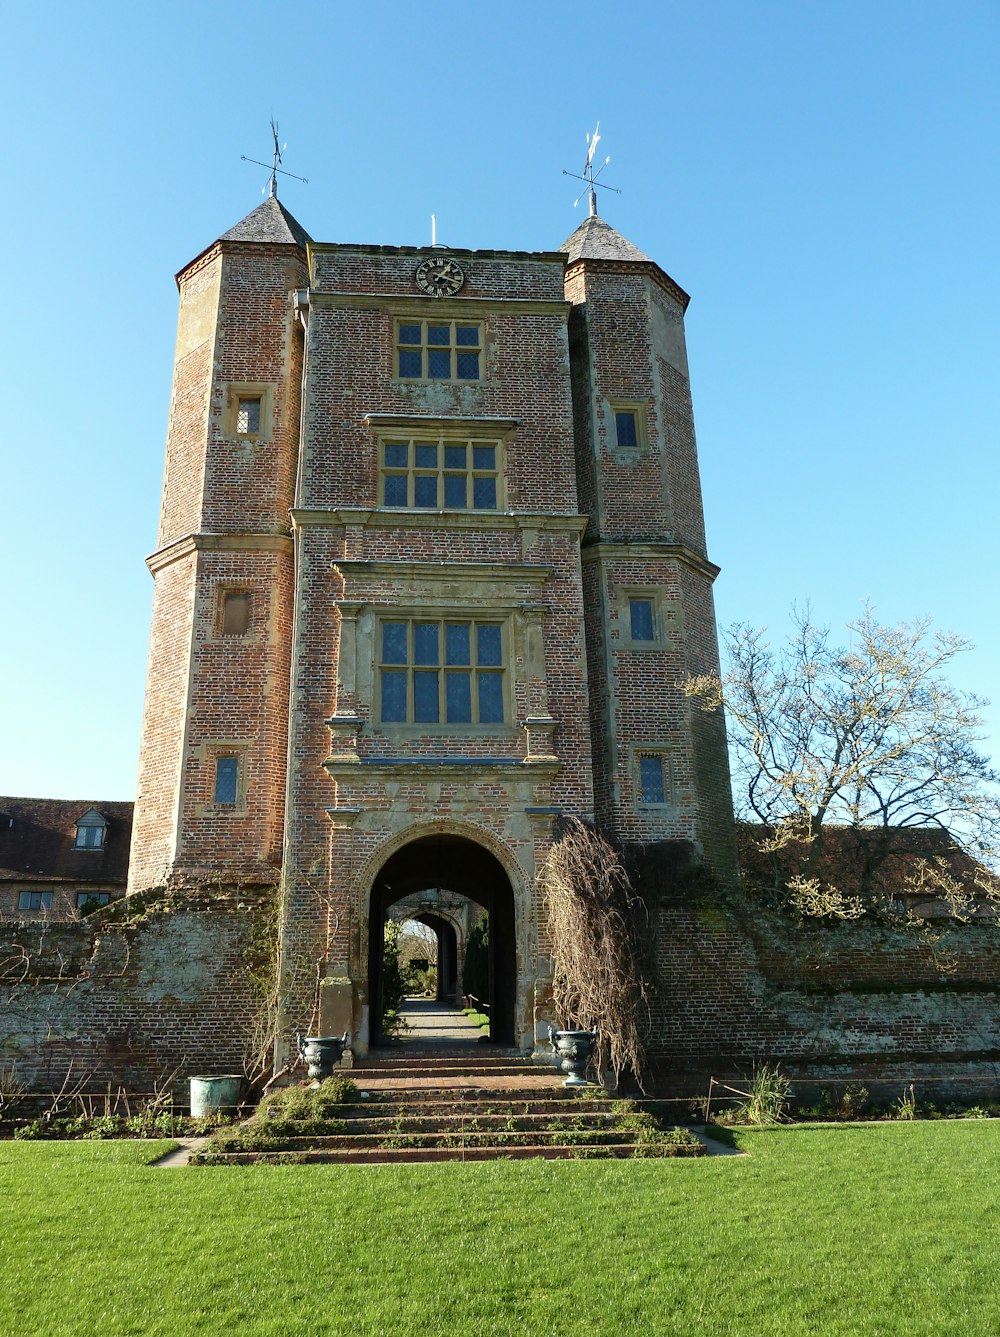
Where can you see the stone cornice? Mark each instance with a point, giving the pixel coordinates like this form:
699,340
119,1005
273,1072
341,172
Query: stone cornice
610,550
340,517
381,766
373,248
189,543
450,308
441,422
475,573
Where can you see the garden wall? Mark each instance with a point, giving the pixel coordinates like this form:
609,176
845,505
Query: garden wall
739,985
138,994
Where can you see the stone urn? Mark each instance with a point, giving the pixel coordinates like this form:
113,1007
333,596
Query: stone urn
321,1053
574,1049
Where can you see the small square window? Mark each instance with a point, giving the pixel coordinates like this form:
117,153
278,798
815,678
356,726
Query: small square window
630,426
642,625
652,778
248,416
34,900
235,613
247,411
227,776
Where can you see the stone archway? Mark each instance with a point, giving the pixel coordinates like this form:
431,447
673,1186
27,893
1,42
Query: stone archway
447,953
459,865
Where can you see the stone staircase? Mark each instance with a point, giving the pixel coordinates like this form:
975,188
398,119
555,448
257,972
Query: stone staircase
440,1106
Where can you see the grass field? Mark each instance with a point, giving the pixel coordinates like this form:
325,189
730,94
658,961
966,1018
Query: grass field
867,1230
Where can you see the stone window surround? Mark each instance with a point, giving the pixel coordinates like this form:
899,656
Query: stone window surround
476,592
234,392
666,618
638,407
210,753
458,430
256,596
665,754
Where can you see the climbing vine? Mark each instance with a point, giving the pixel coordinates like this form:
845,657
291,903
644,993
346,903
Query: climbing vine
595,920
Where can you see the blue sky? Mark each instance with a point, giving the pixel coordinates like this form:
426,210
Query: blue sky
821,179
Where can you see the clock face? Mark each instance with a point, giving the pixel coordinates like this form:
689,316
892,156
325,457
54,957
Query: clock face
439,277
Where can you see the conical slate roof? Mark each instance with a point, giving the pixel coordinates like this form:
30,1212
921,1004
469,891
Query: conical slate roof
269,222
596,240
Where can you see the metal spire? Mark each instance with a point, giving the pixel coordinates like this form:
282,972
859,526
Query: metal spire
589,175
276,171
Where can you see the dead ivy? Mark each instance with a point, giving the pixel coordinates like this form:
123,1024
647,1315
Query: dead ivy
596,920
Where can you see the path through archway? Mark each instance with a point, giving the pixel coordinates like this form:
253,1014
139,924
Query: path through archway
460,866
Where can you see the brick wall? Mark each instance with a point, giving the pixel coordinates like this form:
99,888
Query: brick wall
738,985
130,1003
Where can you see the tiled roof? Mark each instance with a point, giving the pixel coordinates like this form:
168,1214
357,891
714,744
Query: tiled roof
596,240
37,838
898,848
269,222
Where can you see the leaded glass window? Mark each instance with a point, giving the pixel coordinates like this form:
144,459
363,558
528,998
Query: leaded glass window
442,474
441,671
439,350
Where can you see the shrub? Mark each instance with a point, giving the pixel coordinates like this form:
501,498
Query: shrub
852,1101
764,1103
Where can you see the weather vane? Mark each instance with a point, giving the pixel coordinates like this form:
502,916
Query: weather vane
589,175
275,159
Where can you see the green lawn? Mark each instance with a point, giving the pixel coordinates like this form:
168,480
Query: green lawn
889,1229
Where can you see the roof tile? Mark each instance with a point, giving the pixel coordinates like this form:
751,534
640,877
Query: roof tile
37,841
269,222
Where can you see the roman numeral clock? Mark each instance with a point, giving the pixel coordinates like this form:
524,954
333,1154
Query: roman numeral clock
439,277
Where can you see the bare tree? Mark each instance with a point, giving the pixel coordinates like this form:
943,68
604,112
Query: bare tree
867,738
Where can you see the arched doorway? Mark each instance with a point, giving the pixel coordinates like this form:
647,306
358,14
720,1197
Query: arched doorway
461,866
447,955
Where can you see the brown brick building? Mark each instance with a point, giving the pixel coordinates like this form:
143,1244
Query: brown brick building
431,571
60,858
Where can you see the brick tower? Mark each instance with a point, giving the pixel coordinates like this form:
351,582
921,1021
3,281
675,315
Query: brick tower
660,767
431,572
211,788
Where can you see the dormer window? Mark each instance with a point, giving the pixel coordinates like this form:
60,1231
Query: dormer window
91,829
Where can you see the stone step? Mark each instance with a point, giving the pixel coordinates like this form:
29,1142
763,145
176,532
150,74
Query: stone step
430,1069
418,1081
450,1123
419,1106
356,1155
460,1054
456,1137
437,1107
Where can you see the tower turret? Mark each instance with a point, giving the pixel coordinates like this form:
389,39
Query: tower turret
212,763
660,766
